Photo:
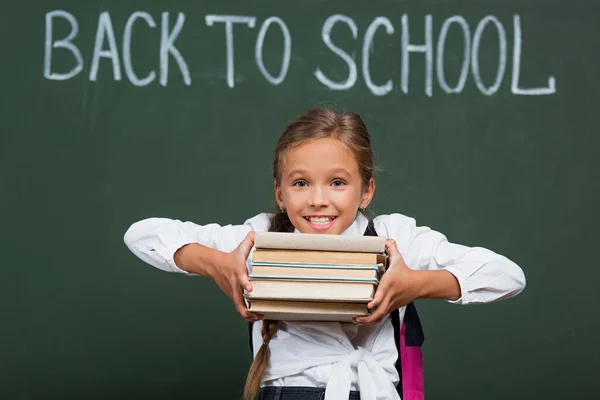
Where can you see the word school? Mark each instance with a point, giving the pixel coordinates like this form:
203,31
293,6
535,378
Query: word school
105,46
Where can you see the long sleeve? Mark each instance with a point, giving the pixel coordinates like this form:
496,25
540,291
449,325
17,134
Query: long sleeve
483,275
155,240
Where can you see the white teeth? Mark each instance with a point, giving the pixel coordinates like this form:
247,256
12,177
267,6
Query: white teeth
320,220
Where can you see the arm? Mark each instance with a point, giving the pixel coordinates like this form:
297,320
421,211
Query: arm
400,285
210,250
482,275
156,241
437,285
198,259
428,266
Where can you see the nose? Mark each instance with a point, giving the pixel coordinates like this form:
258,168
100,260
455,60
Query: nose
318,197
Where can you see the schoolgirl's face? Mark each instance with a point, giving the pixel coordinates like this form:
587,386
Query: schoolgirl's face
321,187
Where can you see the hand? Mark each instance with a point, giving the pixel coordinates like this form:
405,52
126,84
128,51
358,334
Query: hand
398,287
232,277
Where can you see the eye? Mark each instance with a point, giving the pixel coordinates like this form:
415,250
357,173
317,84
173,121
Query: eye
338,183
300,183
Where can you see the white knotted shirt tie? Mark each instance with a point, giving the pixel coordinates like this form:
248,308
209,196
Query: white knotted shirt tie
373,382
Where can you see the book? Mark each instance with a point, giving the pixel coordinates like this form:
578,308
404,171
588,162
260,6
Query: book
314,277
317,257
306,290
315,242
315,270
308,311
302,278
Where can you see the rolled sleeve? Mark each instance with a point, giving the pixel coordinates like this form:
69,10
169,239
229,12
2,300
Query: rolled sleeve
483,275
155,240
462,283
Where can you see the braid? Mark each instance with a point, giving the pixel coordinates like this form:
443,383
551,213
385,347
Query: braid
261,361
280,222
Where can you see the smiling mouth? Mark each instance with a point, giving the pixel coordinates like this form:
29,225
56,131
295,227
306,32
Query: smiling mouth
320,220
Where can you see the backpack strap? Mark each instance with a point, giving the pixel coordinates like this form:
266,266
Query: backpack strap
395,317
408,340
250,326
411,356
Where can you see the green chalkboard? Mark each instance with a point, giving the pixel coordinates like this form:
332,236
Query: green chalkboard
483,116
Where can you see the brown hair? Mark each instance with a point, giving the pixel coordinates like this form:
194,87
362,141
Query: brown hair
317,123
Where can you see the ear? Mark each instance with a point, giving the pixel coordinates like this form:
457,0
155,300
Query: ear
367,194
277,191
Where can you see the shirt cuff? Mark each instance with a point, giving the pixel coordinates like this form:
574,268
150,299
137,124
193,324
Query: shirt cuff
170,258
462,282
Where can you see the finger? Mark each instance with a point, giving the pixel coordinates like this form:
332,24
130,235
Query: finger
258,317
376,299
238,301
392,248
245,281
242,308
248,317
380,293
246,245
377,314
372,319
252,316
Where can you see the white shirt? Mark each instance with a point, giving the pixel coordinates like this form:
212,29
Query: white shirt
339,356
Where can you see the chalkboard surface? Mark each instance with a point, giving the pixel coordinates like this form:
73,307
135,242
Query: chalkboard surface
483,115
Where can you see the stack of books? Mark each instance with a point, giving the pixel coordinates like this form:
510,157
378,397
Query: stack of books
314,277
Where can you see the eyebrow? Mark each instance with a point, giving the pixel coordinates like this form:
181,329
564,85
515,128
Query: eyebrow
296,171
340,171
334,171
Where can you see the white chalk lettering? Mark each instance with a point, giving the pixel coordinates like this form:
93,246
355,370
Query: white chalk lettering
501,50
427,48
367,46
517,67
287,50
458,45
65,43
133,78
167,46
326,35
105,30
229,20
464,70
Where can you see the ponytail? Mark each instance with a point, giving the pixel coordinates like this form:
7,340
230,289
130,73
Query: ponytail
280,222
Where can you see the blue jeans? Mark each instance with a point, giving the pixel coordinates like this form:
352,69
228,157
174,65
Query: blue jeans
298,393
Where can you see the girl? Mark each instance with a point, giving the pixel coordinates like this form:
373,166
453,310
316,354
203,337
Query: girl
323,182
